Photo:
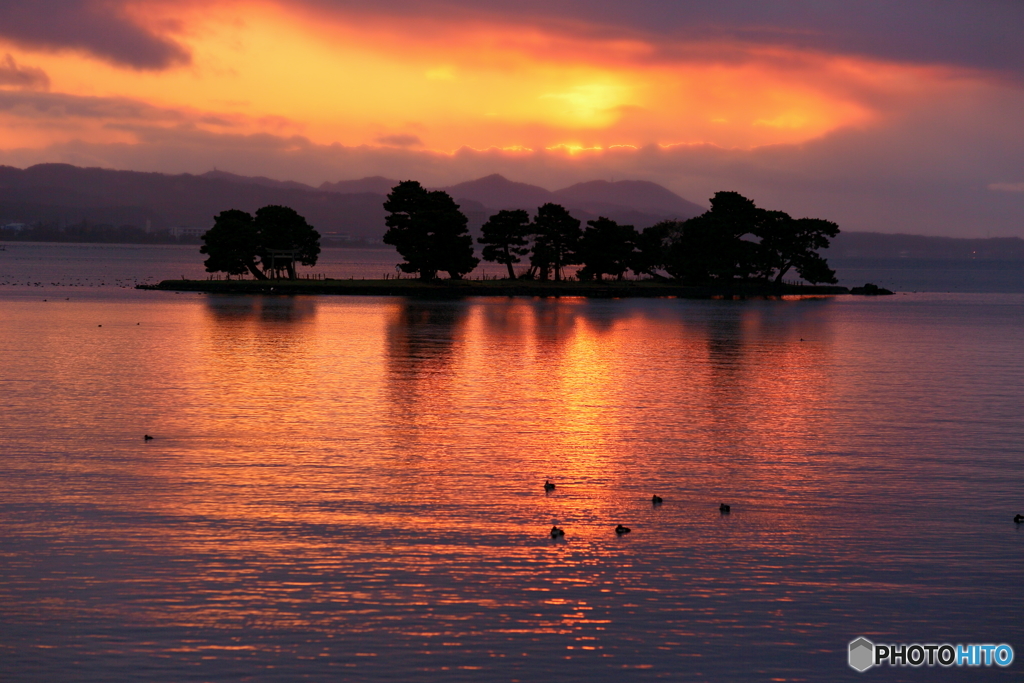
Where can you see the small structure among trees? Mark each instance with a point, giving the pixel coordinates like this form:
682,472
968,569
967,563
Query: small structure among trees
272,242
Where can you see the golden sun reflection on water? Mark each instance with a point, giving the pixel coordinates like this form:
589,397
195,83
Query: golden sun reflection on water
412,408
369,472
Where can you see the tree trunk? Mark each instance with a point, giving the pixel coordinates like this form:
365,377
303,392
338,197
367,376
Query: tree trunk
251,265
508,263
291,270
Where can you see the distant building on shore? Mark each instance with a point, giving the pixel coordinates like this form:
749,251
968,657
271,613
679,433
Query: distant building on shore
187,232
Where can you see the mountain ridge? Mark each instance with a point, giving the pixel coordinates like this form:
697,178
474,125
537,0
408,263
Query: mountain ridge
64,194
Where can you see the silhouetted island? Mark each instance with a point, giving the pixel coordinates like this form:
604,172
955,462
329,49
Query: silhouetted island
733,250
871,290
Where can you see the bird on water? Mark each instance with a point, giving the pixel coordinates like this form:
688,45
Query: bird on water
556,532
1019,519
548,486
622,530
656,499
723,508
147,437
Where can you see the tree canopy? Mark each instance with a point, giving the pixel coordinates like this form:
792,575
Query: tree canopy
651,248
284,238
606,248
231,245
504,238
556,240
736,239
429,232
793,243
277,236
710,246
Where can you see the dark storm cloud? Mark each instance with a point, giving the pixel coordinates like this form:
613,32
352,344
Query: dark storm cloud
984,34
28,77
93,26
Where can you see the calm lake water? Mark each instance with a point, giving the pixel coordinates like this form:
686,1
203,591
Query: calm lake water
351,488
26,264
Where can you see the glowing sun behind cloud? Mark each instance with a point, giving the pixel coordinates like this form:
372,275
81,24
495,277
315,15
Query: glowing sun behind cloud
262,67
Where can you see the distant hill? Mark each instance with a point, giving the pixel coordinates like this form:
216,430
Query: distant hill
374,184
634,202
61,195
256,180
638,195
497,192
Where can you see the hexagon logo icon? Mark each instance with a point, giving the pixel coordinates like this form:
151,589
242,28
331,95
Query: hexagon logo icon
862,654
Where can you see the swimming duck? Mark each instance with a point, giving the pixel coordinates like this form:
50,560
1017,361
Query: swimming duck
1019,519
655,500
723,508
548,486
556,532
622,530
147,437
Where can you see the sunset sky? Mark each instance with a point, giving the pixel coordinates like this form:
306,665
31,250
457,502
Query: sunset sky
889,116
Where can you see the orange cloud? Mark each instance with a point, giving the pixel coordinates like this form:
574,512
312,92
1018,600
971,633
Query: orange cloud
263,67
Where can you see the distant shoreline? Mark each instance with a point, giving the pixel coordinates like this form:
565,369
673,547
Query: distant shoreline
453,289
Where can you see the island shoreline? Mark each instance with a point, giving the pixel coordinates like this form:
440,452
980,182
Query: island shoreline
456,289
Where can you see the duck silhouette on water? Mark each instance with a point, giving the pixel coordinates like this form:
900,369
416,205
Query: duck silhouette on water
548,486
556,532
622,530
724,509
147,437
1019,519
656,500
